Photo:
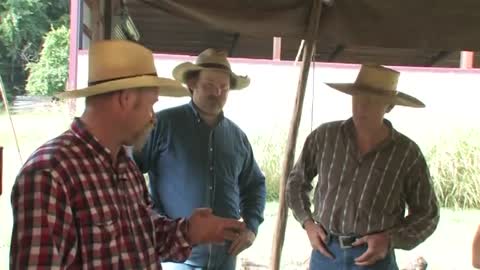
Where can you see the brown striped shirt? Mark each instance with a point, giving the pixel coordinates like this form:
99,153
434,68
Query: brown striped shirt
362,195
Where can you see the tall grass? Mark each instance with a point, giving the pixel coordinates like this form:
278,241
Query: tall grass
454,162
453,159
269,155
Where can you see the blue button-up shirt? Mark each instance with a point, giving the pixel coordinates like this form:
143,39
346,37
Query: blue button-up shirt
192,165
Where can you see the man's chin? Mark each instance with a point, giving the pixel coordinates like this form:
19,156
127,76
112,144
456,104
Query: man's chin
215,110
138,145
216,106
141,139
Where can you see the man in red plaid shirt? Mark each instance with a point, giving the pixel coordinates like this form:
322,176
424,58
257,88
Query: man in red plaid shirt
80,202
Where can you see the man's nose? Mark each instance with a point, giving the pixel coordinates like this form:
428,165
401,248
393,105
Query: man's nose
217,91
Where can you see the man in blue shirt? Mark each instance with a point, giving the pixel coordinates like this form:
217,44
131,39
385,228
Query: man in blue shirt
196,157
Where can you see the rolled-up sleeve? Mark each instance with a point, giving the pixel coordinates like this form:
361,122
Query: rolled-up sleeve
299,183
423,210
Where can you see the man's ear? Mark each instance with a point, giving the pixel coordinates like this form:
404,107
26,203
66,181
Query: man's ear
191,85
127,98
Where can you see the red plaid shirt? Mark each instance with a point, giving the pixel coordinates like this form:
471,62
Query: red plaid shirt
72,209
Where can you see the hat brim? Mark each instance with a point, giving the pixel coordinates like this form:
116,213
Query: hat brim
398,98
238,82
166,87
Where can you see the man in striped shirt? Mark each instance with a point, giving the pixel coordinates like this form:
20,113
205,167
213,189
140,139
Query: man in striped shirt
369,174
80,202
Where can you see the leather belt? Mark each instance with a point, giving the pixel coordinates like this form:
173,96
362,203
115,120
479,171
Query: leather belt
345,241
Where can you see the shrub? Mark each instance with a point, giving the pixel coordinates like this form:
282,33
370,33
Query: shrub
49,75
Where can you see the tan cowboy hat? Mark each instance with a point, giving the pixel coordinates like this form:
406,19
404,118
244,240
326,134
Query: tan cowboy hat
378,81
211,59
118,64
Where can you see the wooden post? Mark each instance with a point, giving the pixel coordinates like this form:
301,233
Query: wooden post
466,60
277,48
107,19
311,32
74,45
299,52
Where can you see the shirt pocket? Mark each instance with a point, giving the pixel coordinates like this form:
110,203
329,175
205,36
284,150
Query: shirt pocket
142,224
99,229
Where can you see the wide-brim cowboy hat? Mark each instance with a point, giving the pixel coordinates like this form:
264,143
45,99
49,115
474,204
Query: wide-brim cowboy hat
211,59
117,65
379,82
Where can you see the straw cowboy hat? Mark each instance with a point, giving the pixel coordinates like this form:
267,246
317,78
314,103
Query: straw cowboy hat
211,59
380,82
118,64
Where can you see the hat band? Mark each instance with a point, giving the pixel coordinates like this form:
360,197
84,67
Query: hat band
378,90
214,65
120,78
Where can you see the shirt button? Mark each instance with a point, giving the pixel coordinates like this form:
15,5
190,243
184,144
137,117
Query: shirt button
211,168
211,149
211,188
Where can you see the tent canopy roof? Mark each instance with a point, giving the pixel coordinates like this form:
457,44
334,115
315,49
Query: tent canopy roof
394,32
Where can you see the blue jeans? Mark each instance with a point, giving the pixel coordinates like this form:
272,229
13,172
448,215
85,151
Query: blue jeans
344,259
218,260
228,264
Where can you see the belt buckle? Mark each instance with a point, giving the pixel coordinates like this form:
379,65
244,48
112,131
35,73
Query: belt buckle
346,241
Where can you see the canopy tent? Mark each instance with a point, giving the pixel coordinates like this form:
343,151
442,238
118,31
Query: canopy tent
395,32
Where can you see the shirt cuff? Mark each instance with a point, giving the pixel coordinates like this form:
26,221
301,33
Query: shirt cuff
303,217
253,224
183,227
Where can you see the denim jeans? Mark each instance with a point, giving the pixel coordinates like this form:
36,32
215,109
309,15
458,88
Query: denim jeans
218,260
344,259
228,264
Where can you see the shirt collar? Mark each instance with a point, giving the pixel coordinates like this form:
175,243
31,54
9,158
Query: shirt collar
79,130
349,128
196,114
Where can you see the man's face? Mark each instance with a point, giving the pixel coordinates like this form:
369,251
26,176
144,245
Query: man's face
367,110
210,91
142,117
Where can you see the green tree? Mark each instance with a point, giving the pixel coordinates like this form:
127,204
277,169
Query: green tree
23,23
49,75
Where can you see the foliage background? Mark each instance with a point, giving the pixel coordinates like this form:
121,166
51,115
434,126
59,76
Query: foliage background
23,26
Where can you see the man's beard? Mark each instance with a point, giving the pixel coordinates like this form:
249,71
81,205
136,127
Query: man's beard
216,104
141,137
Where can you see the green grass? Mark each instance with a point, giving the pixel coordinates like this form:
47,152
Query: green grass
269,155
454,161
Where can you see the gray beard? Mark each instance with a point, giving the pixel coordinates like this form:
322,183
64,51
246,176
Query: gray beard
141,139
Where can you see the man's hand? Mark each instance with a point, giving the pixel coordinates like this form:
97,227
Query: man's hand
244,240
378,245
317,236
204,227
476,249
